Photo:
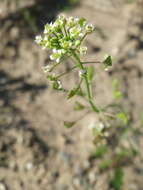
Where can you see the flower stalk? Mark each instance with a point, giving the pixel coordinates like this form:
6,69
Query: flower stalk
87,83
65,37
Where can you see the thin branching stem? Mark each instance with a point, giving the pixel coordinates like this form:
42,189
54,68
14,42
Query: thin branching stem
88,62
87,83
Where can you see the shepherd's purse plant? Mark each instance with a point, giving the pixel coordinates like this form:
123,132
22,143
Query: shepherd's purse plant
65,38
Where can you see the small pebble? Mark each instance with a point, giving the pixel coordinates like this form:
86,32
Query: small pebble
76,181
91,177
2,186
29,166
131,53
65,156
86,164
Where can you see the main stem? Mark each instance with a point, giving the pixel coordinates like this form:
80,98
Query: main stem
87,83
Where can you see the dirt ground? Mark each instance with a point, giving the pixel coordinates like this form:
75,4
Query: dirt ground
36,151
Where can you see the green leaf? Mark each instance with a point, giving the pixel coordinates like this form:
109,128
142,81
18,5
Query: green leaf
123,117
108,61
56,85
51,78
117,180
124,155
69,124
78,106
105,164
80,92
100,151
115,84
90,73
72,93
117,94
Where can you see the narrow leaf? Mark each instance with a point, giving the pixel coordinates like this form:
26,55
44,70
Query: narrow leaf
117,180
78,106
69,124
72,93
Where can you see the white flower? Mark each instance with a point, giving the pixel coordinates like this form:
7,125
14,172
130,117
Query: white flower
45,31
45,38
98,127
54,50
75,31
61,17
81,34
82,50
77,19
89,28
38,39
71,19
52,57
46,68
58,60
82,72
59,84
101,126
106,69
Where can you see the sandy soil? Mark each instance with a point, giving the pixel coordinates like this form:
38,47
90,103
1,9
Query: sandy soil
36,151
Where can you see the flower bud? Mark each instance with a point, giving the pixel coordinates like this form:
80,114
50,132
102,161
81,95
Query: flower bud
89,28
82,50
38,39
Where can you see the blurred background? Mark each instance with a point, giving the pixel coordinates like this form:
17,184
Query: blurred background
36,151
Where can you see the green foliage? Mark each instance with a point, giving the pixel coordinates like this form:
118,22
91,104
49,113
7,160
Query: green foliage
107,62
70,4
78,106
122,116
125,154
57,85
69,124
101,150
117,180
105,164
73,92
117,94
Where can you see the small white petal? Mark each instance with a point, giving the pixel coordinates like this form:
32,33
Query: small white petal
59,84
76,19
38,39
81,34
45,38
46,68
58,60
51,57
54,51
82,72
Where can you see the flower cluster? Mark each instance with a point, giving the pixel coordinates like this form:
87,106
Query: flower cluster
64,36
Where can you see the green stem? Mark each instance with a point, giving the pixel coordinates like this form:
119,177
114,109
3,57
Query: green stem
91,62
65,31
88,85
